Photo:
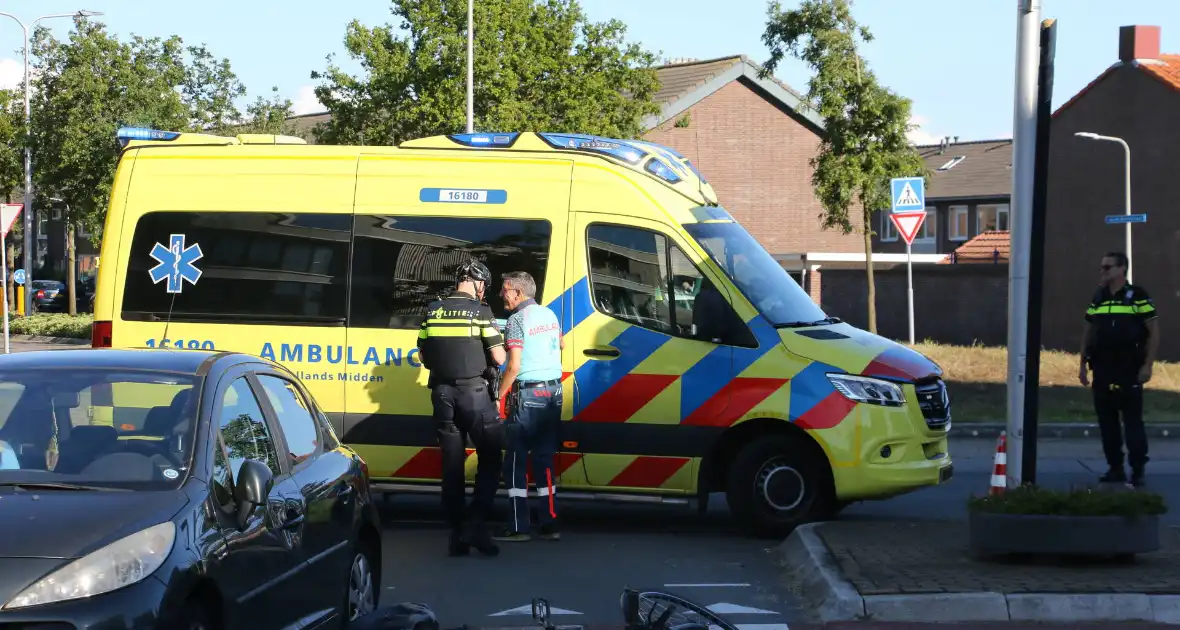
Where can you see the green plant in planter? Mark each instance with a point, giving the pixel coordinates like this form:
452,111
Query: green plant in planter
1034,500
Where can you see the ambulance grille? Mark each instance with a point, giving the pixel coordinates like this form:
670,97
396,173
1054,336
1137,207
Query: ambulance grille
934,403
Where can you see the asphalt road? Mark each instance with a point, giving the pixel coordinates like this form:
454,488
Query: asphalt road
701,557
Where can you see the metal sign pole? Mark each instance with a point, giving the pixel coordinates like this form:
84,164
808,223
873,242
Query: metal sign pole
909,282
4,274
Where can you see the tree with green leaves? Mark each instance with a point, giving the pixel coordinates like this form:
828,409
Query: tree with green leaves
88,87
864,142
538,66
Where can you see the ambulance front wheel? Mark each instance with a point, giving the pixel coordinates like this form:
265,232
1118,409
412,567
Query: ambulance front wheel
775,484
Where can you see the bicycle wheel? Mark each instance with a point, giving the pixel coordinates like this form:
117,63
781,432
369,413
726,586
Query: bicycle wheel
664,611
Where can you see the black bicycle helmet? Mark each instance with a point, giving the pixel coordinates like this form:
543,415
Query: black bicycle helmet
473,270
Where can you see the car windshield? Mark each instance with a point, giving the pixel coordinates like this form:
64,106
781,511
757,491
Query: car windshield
762,280
78,427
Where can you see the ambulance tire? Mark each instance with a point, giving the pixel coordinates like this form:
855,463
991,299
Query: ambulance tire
776,484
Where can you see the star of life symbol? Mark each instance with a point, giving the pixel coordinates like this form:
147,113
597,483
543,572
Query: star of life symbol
176,263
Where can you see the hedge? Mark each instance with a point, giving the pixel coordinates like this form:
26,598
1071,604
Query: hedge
51,325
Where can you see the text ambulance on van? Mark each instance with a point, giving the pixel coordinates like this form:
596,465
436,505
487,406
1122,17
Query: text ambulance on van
693,362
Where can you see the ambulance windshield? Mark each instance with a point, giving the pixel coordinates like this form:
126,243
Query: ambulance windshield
762,280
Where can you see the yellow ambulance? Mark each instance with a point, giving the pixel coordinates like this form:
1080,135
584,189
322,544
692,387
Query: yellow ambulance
693,362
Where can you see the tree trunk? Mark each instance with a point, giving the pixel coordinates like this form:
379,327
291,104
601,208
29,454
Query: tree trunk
872,299
71,270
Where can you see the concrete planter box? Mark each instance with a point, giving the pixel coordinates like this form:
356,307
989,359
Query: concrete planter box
998,534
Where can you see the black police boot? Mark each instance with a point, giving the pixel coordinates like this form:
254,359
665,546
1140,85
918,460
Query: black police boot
481,539
1137,479
1116,474
459,545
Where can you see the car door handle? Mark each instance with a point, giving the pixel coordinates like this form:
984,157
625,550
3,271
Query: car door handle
601,352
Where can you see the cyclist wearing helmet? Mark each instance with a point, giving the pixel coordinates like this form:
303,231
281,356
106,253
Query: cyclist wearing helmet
454,342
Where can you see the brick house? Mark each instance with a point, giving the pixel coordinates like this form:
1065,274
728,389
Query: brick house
968,194
1136,99
753,139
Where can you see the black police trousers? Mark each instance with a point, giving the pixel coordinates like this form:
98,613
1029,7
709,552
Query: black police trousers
1110,398
462,412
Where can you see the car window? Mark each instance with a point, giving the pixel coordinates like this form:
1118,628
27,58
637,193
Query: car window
400,264
298,426
255,267
223,483
121,428
9,394
243,428
629,275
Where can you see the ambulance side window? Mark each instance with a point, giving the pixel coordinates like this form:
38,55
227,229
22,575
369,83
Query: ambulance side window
628,275
641,277
401,263
701,310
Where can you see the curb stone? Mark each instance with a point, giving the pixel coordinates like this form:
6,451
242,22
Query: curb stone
69,341
1060,430
834,598
823,589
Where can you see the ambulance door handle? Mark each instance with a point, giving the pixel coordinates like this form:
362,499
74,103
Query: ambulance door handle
601,352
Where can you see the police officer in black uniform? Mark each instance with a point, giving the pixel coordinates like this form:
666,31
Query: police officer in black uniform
460,345
1120,345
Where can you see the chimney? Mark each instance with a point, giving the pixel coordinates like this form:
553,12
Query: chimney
1139,42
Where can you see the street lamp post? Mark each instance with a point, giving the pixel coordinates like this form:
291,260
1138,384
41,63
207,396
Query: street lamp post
1126,187
28,209
470,66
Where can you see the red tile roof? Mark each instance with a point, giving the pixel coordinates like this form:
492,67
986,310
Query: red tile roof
981,249
1168,71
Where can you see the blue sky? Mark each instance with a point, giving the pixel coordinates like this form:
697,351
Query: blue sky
953,58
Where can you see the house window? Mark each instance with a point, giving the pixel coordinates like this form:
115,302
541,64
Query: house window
992,217
888,230
957,225
929,230
42,225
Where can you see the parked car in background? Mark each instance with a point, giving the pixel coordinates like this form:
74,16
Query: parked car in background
176,489
50,296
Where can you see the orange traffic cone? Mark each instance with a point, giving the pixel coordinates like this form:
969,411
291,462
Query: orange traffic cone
1000,468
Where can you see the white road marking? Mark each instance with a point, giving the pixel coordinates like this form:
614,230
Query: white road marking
756,626
734,609
528,610
704,585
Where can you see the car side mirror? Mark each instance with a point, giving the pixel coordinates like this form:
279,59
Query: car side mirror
251,488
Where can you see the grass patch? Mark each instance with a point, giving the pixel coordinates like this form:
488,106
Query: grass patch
977,379
51,325
1030,500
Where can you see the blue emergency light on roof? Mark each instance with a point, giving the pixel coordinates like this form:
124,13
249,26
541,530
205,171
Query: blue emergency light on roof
494,140
656,167
607,146
674,159
143,133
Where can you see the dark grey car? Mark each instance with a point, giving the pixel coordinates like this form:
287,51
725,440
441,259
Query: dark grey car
176,489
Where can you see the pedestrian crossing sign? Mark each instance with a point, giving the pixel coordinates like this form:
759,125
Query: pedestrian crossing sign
909,194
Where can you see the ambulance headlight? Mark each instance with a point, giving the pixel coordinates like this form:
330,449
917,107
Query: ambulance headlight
121,563
871,391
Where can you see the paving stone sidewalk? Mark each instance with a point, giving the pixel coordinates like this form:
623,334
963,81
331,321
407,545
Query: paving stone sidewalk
887,558
921,571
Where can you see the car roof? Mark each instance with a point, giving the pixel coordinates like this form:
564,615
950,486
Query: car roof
165,360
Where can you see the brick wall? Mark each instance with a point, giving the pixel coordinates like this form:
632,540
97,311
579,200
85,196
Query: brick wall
1086,183
954,304
755,154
